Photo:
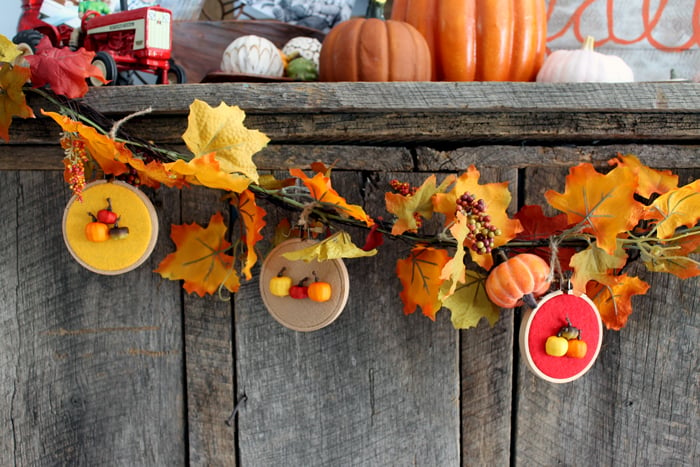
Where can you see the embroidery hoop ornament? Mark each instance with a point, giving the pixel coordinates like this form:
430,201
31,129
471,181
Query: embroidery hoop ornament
546,320
304,314
124,255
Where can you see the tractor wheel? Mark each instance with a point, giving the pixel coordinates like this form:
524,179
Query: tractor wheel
176,74
30,37
105,62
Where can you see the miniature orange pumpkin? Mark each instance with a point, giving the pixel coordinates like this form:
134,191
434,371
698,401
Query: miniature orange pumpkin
372,49
521,275
480,40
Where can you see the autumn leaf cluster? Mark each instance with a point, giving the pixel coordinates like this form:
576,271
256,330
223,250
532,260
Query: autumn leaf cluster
607,218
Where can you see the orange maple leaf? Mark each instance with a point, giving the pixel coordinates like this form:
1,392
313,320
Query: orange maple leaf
252,216
496,196
404,207
420,276
603,205
650,180
12,99
614,298
200,258
321,190
675,208
206,170
155,173
111,156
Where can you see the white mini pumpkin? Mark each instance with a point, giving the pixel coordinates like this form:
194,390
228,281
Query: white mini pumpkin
307,47
253,55
584,66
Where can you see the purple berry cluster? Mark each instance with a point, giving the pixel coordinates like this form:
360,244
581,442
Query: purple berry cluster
481,231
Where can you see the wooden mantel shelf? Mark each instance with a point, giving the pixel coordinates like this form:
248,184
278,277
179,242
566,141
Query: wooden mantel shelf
447,112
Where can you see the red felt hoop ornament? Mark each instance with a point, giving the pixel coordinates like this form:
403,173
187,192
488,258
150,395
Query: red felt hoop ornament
554,312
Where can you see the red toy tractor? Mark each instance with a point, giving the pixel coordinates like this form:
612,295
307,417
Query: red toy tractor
129,46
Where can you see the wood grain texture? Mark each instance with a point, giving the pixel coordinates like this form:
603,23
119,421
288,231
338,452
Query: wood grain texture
486,366
638,405
409,113
373,388
209,355
95,374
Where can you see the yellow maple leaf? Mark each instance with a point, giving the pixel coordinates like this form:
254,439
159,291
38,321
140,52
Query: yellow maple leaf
614,298
12,99
420,276
496,197
337,246
675,208
404,207
252,216
8,50
321,190
221,131
455,271
603,204
594,263
470,303
200,258
206,170
650,180
674,257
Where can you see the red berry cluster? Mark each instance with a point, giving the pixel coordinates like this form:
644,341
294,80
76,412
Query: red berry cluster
481,231
402,188
405,189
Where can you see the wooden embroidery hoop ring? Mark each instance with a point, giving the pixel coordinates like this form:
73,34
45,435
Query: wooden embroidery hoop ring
153,217
304,315
525,330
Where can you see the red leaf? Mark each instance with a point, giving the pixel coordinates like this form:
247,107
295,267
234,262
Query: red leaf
64,70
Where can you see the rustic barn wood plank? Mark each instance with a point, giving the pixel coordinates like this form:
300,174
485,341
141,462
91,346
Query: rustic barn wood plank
657,156
9,322
409,112
297,98
391,158
373,388
638,404
209,355
96,369
486,369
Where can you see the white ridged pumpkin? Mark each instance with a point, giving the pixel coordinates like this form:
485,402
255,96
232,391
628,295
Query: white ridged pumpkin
307,47
253,55
584,66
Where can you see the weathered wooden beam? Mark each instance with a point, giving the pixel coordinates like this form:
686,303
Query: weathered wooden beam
409,113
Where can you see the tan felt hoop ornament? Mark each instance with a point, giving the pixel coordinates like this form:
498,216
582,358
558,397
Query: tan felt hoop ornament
561,316
304,314
114,255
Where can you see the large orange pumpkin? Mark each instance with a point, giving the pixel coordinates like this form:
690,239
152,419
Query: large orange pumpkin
480,40
372,49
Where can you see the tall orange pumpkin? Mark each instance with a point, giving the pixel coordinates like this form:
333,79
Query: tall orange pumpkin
374,49
480,40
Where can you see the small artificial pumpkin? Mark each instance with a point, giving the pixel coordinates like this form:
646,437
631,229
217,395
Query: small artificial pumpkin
523,275
584,66
253,55
480,40
307,47
372,49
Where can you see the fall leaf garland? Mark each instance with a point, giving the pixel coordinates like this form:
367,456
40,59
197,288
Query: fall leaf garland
607,219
